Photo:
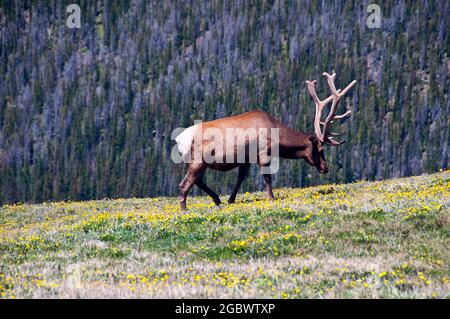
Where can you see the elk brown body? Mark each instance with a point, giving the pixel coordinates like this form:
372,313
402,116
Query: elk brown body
211,145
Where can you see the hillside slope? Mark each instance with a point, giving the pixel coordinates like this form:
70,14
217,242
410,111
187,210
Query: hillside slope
381,239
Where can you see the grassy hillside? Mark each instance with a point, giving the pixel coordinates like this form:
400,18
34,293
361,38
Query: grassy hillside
366,239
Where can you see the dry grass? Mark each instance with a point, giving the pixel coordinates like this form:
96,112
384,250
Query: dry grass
363,240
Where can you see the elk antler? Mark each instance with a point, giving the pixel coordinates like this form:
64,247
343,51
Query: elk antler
323,135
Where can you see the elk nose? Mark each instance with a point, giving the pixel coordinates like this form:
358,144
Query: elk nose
324,170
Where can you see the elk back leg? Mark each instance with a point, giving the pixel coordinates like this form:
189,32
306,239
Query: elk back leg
193,174
200,183
242,175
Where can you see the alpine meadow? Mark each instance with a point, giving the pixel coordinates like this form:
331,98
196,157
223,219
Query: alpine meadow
384,239
99,98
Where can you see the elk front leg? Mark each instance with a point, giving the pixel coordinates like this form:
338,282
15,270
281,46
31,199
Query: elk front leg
268,189
242,175
200,183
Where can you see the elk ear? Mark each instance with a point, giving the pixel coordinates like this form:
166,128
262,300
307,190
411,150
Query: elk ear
313,139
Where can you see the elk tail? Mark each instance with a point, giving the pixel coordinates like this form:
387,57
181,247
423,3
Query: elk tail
184,140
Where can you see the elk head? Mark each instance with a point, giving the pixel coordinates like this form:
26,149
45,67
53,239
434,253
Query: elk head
322,136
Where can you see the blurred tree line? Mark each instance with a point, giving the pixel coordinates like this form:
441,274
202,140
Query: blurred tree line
88,113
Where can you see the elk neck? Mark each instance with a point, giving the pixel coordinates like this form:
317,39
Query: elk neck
293,143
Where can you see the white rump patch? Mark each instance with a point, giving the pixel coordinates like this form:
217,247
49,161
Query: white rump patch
184,140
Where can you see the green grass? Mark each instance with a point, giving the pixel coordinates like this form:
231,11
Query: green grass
384,239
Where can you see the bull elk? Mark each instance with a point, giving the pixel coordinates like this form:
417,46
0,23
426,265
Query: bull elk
196,143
